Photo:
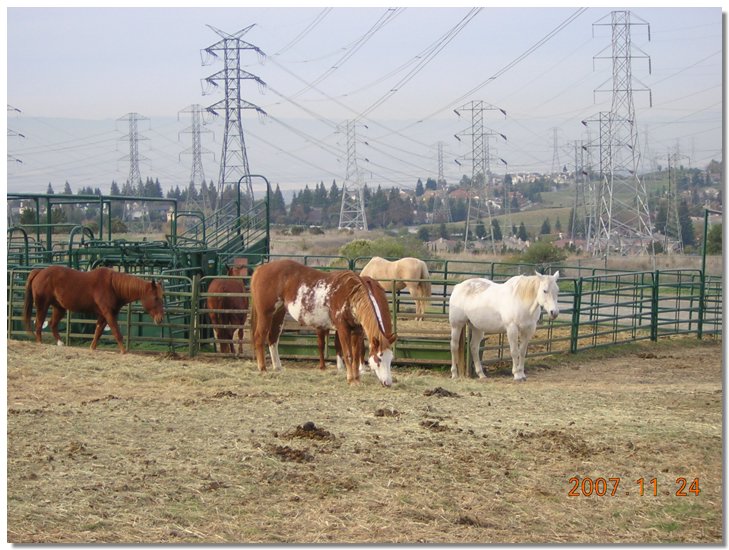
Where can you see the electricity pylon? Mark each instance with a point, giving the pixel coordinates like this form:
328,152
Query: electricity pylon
481,191
133,137
441,208
623,217
233,158
352,214
197,172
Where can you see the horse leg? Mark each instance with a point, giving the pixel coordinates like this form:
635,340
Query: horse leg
414,291
455,348
111,320
345,339
240,340
476,337
273,337
260,335
340,354
322,335
512,333
100,324
58,313
524,336
40,318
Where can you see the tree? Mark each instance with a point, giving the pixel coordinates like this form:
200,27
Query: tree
546,227
443,231
114,188
522,234
713,239
431,184
49,190
67,189
687,226
558,226
496,228
419,189
424,234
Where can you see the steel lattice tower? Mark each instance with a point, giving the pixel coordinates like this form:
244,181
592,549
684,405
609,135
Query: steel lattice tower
352,213
481,184
233,158
623,217
133,137
13,133
441,208
197,173
556,166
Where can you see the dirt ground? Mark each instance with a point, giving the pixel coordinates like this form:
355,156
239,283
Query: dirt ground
151,448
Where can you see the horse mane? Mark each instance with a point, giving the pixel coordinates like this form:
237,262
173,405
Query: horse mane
126,286
364,303
526,288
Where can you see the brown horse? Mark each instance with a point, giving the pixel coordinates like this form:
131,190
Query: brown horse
102,292
228,312
410,273
357,339
337,300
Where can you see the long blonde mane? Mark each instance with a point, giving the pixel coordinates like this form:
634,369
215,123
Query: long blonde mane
526,288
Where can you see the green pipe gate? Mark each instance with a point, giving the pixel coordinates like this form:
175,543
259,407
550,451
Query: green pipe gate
597,308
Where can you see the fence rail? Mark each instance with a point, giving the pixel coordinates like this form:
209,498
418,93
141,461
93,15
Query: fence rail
595,310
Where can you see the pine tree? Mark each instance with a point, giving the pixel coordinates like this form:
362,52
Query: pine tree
523,235
49,190
496,229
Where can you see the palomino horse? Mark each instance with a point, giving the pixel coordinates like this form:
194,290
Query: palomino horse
102,292
337,300
512,307
229,309
405,268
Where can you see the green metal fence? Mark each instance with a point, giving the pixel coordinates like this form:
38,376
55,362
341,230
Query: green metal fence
596,310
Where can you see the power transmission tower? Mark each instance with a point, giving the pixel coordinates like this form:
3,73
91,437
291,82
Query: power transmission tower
135,178
555,153
481,192
352,214
197,173
233,158
441,208
673,237
624,222
133,137
583,210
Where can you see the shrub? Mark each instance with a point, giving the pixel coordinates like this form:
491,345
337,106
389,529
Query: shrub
386,247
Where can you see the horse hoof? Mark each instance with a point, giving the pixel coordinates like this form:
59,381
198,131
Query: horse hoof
521,379
59,343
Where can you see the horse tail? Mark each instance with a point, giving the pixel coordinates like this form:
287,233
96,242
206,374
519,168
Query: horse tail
424,290
28,302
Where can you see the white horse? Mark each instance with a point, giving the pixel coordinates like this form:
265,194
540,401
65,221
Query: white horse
512,307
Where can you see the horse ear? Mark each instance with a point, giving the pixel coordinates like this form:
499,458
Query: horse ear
556,275
154,283
391,338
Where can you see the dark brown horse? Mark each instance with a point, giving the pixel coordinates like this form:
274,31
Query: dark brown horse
339,300
228,312
102,292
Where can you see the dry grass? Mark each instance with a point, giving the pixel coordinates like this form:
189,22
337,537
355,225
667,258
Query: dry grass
147,448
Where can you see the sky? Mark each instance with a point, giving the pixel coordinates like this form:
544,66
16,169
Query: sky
408,78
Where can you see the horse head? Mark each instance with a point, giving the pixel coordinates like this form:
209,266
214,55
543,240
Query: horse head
547,294
153,301
380,358
382,338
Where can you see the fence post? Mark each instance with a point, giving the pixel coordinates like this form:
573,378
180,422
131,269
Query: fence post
576,305
194,317
654,306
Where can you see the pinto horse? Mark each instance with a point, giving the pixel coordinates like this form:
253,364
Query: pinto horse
102,292
512,307
405,268
228,312
357,339
339,300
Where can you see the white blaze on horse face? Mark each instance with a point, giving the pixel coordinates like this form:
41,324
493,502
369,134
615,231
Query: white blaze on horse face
547,294
383,369
311,306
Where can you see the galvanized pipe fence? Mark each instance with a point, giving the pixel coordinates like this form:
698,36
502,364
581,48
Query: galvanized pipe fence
597,308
